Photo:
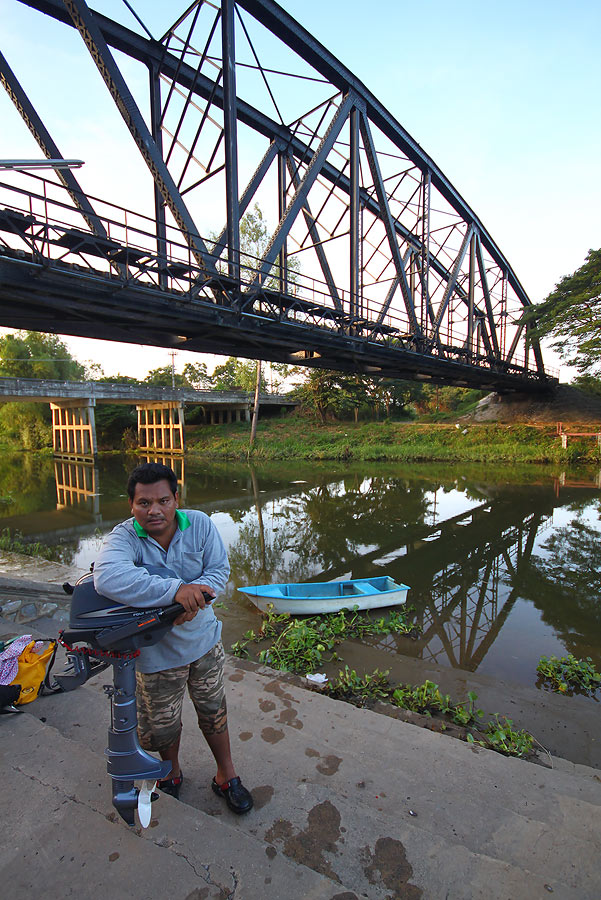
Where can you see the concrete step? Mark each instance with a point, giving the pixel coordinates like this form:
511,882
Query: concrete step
64,839
63,833
373,802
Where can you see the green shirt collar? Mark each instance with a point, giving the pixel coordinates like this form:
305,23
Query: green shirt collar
181,518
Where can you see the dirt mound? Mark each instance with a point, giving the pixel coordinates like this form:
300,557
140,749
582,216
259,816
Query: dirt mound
563,404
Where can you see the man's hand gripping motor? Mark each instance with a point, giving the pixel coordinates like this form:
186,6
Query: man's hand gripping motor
192,597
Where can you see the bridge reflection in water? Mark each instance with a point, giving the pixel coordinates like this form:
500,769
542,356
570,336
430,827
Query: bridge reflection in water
467,605
471,551
77,483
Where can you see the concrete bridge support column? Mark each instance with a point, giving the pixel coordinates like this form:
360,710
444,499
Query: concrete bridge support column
74,429
76,484
161,426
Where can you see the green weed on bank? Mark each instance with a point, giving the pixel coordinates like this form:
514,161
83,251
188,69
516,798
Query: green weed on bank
569,675
427,699
302,645
297,437
15,543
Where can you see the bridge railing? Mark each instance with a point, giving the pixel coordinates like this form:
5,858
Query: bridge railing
38,219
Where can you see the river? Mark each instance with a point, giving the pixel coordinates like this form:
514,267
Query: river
503,566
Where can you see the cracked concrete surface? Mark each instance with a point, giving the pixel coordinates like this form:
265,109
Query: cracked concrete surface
349,804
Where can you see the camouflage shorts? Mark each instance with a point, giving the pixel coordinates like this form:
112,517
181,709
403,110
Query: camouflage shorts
160,695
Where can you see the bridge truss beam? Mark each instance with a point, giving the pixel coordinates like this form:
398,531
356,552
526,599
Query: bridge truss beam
395,274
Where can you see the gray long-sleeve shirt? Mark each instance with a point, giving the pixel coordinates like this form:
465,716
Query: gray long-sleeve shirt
196,555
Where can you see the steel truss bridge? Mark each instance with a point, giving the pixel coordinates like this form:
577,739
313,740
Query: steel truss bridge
376,264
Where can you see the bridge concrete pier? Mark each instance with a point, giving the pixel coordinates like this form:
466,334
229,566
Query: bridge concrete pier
74,429
161,426
226,414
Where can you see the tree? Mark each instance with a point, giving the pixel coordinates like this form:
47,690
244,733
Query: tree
341,395
571,314
235,375
193,375
588,384
254,238
330,393
197,377
164,376
29,354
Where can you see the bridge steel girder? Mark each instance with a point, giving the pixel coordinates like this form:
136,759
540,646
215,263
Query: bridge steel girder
423,267
85,22
43,137
137,313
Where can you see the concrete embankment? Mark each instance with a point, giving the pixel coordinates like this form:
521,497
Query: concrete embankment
348,804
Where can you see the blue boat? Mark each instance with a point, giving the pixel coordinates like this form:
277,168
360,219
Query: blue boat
327,596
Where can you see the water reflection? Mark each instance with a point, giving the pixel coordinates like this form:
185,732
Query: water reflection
500,572
76,484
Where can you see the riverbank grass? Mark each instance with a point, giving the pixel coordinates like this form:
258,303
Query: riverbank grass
298,437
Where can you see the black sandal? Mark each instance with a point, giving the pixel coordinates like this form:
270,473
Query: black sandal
171,786
235,795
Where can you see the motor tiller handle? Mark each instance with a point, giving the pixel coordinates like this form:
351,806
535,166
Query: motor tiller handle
168,613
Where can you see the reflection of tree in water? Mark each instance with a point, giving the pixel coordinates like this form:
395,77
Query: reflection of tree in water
566,585
341,519
255,562
26,483
326,527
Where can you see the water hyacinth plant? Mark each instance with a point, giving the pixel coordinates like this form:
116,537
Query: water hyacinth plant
569,674
301,645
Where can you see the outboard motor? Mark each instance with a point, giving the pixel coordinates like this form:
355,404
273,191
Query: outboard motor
103,632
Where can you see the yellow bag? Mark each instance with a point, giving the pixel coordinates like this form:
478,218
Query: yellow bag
32,670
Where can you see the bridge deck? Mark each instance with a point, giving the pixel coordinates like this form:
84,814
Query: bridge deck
20,389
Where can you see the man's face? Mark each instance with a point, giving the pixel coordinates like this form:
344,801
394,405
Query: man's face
154,508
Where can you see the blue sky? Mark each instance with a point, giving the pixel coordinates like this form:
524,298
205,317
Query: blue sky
504,97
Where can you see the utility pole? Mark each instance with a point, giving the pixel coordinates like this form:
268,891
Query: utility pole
172,354
253,427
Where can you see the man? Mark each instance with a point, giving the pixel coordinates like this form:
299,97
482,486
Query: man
188,547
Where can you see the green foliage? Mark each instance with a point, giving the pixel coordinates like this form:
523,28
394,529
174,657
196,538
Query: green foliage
29,354
112,421
254,238
301,645
326,393
299,648
15,543
164,376
235,375
196,376
27,425
571,314
568,674
427,698
117,379
360,691
439,403
588,384
499,735
193,375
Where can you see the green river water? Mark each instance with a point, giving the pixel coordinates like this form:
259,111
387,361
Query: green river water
503,566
